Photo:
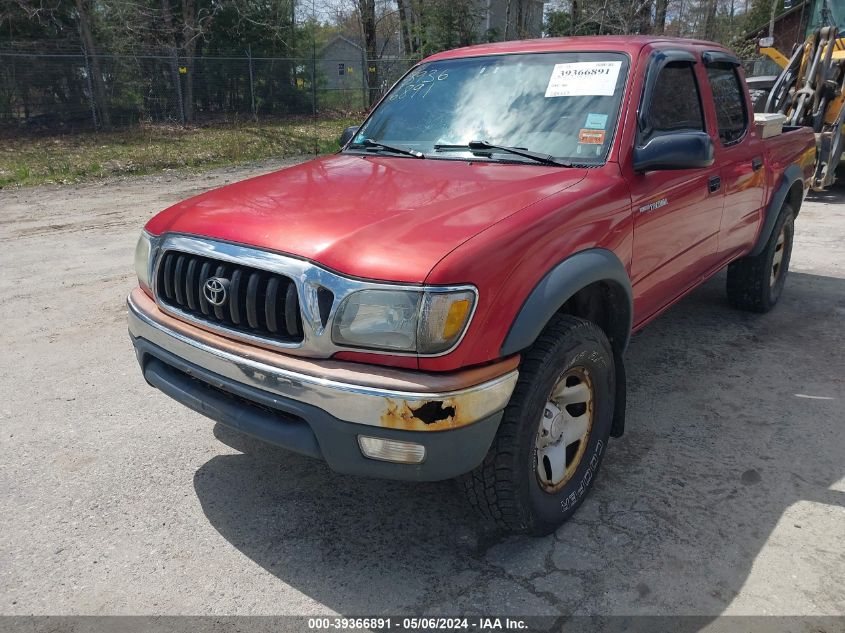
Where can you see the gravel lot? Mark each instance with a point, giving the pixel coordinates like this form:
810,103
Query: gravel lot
725,496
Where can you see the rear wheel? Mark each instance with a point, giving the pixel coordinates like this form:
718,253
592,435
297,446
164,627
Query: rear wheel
554,433
756,283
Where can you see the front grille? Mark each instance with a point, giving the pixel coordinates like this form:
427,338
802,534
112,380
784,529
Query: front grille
259,303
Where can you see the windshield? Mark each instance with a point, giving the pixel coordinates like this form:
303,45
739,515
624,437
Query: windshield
562,104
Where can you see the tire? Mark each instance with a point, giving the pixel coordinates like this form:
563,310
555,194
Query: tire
516,485
758,99
756,283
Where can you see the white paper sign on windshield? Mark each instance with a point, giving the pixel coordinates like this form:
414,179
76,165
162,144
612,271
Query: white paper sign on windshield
583,79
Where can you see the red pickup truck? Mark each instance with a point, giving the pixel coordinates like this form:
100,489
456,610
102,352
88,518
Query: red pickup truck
451,294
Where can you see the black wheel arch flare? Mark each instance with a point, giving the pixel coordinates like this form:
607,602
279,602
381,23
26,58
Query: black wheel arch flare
792,178
562,283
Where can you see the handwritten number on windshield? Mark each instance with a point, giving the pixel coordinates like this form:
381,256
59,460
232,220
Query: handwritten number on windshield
419,84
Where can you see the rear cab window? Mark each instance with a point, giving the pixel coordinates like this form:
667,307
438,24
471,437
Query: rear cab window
729,99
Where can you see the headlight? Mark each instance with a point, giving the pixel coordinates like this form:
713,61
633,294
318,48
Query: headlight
142,260
425,322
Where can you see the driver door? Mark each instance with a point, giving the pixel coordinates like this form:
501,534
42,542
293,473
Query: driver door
676,213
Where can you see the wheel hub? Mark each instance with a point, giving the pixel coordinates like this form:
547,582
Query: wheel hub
564,429
551,429
777,260
557,428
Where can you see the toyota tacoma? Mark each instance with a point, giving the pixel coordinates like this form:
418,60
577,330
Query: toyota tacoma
452,293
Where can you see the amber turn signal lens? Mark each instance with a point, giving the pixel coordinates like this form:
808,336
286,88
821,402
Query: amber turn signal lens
456,318
444,315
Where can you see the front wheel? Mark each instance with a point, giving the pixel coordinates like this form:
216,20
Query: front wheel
554,432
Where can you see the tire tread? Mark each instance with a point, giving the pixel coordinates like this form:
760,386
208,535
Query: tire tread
492,488
748,278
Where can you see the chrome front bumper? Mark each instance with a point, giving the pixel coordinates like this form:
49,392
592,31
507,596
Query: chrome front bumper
350,392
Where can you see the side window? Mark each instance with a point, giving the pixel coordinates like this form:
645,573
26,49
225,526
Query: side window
341,69
729,98
675,103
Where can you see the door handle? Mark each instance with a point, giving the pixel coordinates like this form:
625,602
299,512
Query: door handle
756,163
713,183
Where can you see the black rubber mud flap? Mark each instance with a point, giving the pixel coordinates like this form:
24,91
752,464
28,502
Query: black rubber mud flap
617,426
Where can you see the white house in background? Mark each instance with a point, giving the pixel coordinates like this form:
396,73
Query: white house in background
342,65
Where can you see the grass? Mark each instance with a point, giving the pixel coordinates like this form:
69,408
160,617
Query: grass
64,159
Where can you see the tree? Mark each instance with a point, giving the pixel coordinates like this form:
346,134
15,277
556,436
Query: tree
449,24
709,29
194,22
170,39
642,17
574,16
760,13
83,13
660,17
721,20
73,23
367,17
403,8
190,33
557,23
577,17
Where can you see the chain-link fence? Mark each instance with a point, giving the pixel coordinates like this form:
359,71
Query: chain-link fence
60,91
68,91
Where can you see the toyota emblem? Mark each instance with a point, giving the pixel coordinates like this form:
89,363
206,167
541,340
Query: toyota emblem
216,291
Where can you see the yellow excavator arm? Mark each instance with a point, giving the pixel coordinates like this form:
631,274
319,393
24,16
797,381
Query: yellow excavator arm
810,91
775,55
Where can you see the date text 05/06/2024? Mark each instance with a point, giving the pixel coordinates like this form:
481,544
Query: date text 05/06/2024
415,624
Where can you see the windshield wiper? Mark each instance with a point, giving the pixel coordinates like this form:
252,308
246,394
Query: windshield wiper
378,145
475,146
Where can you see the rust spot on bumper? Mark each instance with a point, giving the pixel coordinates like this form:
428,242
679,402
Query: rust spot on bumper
429,415
444,413
438,414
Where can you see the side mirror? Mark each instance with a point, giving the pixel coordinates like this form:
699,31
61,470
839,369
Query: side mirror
682,150
347,135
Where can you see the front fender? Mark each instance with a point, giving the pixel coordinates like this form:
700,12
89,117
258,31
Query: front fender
559,285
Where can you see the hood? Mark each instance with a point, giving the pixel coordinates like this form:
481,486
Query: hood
377,217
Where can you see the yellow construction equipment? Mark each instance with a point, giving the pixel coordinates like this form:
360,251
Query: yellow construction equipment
810,91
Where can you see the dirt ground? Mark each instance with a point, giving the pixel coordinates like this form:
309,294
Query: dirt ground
725,496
